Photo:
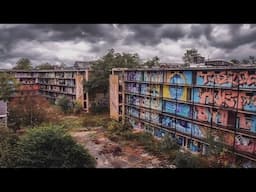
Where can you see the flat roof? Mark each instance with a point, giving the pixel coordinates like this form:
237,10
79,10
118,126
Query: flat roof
206,68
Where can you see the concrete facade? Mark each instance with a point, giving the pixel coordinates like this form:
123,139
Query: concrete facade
190,104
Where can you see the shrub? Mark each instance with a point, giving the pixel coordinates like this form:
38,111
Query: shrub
51,147
187,160
65,104
27,111
168,144
98,109
78,108
8,149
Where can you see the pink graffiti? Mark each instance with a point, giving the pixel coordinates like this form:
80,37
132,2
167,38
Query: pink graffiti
220,117
226,98
202,113
243,122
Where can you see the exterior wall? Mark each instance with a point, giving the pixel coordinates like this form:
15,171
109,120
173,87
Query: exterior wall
192,104
53,84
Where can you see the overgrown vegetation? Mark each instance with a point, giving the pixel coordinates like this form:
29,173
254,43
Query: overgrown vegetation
8,84
28,111
65,104
188,160
44,147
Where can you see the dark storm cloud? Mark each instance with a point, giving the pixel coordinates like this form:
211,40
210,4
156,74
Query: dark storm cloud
152,34
43,42
236,37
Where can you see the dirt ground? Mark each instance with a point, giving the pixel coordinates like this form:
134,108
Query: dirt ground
110,154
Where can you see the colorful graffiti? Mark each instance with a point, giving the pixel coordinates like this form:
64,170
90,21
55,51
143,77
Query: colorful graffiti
135,123
184,77
145,89
178,109
132,111
219,117
145,102
245,144
246,122
245,79
133,87
134,76
184,127
159,132
225,98
145,115
155,118
157,76
179,93
156,104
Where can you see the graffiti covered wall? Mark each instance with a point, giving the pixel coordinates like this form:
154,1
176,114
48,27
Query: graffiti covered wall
245,79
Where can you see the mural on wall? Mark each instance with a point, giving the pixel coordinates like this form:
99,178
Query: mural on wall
135,123
245,79
134,76
156,76
147,76
155,118
144,114
245,144
132,111
199,131
155,90
113,97
145,89
145,102
226,98
148,128
246,122
168,122
133,87
220,136
159,132
178,108
219,117
156,104
133,100
172,92
183,77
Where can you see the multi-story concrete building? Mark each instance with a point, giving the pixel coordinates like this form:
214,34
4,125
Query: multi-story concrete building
190,104
55,83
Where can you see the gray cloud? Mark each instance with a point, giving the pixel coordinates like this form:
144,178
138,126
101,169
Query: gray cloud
66,43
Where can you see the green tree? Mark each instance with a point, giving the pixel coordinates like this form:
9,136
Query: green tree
8,149
27,111
252,59
102,69
245,61
45,66
65,104
154,62
8,85
189,55
23,64
235,61
51,147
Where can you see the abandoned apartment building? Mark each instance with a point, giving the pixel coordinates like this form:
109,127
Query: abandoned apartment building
59,82
189,104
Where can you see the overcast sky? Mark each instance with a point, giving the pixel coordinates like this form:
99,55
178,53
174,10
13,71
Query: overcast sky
67,43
